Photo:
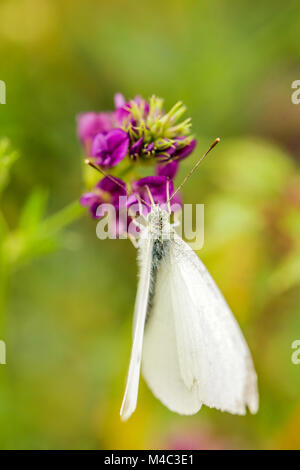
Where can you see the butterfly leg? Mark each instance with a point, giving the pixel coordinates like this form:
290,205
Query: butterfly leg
168,197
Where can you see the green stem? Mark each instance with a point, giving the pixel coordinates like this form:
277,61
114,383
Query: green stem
64,217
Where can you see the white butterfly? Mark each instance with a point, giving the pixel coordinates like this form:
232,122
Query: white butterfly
185,338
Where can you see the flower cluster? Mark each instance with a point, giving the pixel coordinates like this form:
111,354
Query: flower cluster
137,133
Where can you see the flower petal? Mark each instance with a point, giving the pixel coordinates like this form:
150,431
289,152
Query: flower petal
157,186
136,148
99,146
112,185
111,148
186,151
119,100
169,170
89,124
117,144
88,199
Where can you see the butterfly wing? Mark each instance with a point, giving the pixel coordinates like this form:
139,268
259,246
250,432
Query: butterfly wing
194,352
140,311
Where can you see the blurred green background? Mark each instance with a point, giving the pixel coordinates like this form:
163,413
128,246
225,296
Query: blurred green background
66,317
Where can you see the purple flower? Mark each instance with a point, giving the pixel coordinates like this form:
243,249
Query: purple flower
159,187
152,133
119,100
109,149
168,150
106,191
149,149
109,191
184,152
169,169
174,152
136,148
92,201
90,124
123,109
113,192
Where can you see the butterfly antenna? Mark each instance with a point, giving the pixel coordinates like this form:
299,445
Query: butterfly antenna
195,167
96,167
140,204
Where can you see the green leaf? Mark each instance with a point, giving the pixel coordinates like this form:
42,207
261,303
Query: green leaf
53,224
35,237
33,210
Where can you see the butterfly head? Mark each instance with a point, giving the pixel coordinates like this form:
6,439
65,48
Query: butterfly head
159,221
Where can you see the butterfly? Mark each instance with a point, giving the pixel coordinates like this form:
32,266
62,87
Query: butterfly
186,340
